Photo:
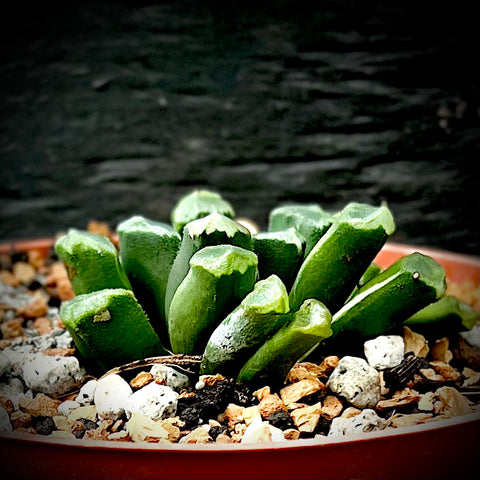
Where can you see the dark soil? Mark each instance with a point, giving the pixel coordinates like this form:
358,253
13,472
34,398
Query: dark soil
211,400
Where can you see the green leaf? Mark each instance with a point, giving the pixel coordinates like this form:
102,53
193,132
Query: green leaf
336,263
91,261
198,204
218,279
270,364
259,315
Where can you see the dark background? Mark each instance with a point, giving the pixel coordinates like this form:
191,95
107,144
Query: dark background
110,109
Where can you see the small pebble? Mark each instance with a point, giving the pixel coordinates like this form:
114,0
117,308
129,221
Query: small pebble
20,419
7,404
366,421
51,375
86,412
67,406
87,392
111,395
199,385
140,427
15,390
154,401
385,351
5,424
262,432
4,364
63,339
356,381
16,354
44,425
171,377
40,406
281,419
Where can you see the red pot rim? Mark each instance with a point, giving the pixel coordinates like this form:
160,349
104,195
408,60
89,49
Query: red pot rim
433,440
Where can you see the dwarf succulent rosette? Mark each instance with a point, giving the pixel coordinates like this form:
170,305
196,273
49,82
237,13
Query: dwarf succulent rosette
250,304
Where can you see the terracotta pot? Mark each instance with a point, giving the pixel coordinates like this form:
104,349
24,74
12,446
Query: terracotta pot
440,449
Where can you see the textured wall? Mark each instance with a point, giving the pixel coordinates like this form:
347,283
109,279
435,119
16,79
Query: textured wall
110,110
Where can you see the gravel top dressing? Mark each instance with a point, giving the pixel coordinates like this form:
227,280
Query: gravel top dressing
178,338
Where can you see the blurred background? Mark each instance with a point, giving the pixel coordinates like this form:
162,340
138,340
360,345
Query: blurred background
110,109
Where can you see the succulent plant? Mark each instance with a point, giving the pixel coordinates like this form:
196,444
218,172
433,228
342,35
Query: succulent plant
251,304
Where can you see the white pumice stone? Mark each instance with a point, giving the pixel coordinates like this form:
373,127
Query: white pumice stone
356,381
17,354
52,375
366,421
111,395
87,392
67,406
172,377
262,432
385,351
154,401
199,385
